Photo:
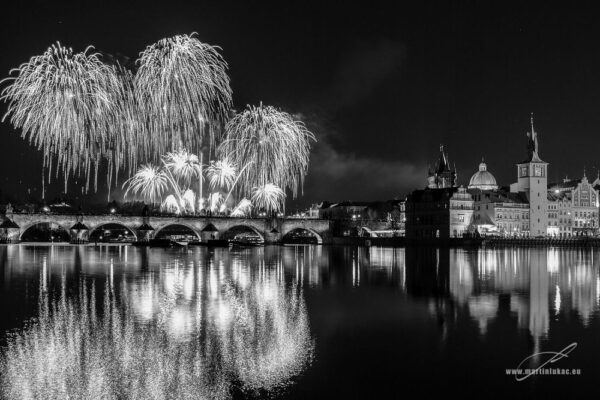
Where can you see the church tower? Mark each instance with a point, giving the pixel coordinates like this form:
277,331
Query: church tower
443,176
533,181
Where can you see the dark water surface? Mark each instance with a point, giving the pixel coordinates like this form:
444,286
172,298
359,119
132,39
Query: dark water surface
295,322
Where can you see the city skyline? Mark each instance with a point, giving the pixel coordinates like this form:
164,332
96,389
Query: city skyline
380,101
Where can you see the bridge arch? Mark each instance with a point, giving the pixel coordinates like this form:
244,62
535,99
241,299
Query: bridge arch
61,226
289,235
160,230
111,225
232,231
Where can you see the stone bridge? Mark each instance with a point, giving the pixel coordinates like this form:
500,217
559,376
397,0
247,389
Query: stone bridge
271,230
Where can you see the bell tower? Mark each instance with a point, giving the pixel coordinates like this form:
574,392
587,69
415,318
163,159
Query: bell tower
533,181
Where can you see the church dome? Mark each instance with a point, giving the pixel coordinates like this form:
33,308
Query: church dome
483,179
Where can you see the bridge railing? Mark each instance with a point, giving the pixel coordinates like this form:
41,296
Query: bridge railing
155,215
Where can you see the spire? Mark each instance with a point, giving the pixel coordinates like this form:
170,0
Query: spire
533,151
443,163
455,173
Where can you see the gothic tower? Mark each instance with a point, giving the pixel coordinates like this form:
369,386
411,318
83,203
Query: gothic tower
442,176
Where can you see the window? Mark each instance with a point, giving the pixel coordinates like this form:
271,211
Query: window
523,171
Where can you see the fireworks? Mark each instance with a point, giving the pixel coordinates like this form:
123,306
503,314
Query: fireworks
82,112
272,144
171,205
184,91
184,165
242,209
152,182
215,201
268,197
221,174
74,108
254,328
149,181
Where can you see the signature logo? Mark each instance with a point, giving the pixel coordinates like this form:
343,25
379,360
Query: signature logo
553,357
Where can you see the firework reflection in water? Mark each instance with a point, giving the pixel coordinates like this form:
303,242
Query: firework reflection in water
255,335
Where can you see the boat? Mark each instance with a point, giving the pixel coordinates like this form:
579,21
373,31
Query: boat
245,243
160,243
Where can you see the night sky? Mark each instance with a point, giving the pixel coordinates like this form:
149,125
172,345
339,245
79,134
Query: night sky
380,84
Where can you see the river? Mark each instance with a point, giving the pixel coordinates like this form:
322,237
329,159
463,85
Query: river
119,322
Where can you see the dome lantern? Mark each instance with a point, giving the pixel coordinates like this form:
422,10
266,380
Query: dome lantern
483,179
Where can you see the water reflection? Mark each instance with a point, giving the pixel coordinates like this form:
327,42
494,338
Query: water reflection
195,326
538,282
122,322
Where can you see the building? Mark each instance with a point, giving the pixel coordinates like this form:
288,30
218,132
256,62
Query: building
530,207
559,213
462,207
373,218
441,210
428,214
573,208
361,210
501,212
439,214
442,176
483,179
533,182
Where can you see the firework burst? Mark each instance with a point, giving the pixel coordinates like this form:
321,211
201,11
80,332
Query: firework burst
221,174
268,197
149,181
184,165
274,147
183,88
75,108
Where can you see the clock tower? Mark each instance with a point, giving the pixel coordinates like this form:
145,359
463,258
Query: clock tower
533,181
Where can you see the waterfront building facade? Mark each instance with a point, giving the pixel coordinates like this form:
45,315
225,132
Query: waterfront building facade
428,214
501,213
442,210
462,206
573,208
584,202
528,208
